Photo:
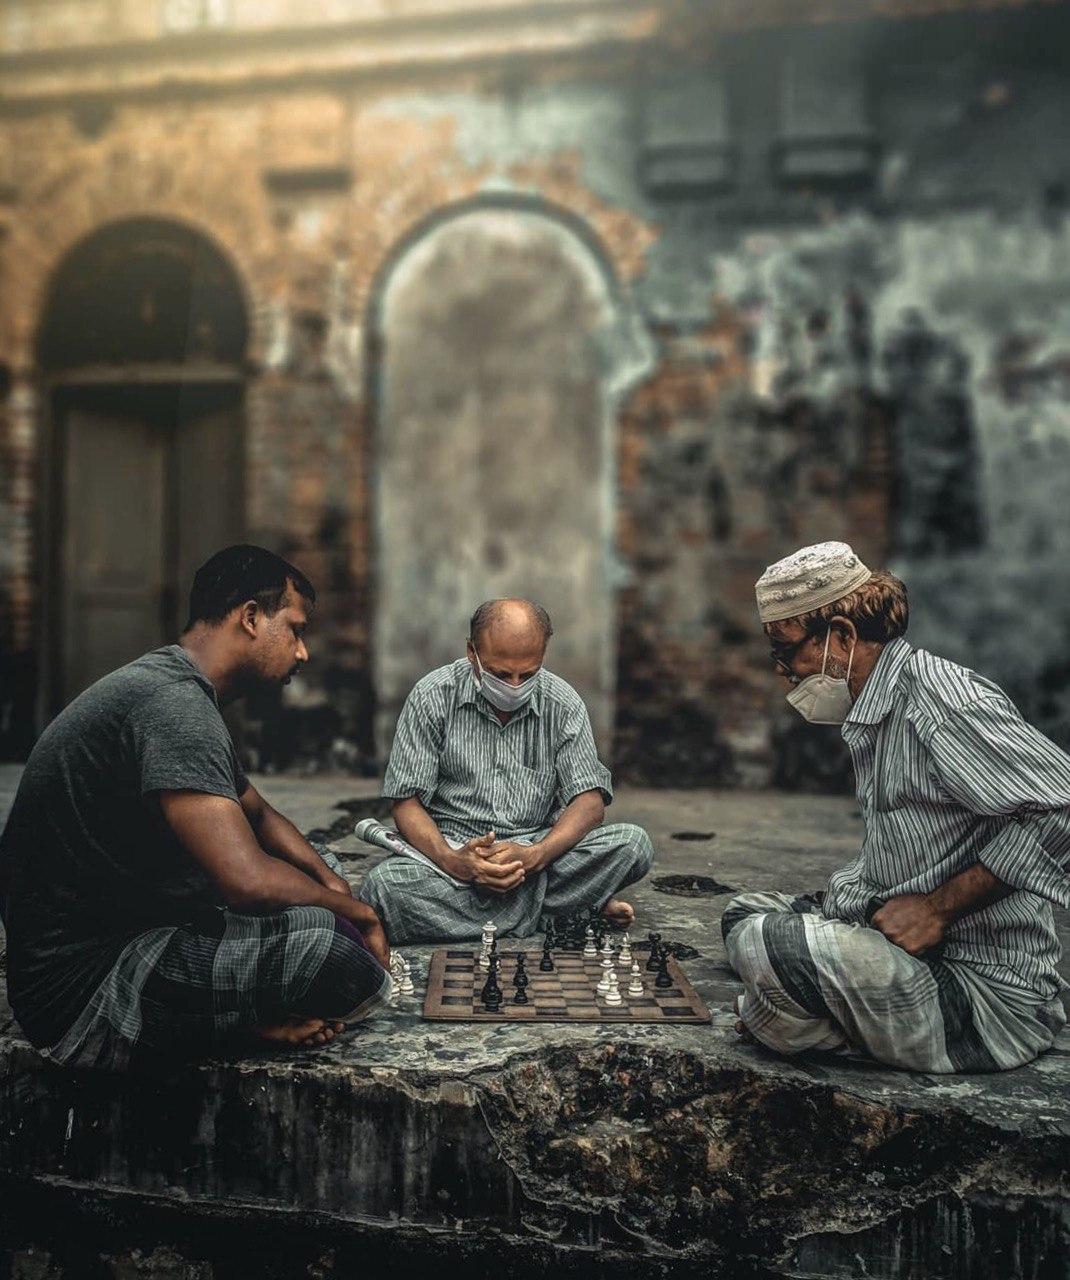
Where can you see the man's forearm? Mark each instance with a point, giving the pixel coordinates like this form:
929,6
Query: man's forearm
418,828
579,817
971,890
279,837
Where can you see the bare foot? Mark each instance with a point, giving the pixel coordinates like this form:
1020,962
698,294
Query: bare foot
300,1033
619,914
741,1030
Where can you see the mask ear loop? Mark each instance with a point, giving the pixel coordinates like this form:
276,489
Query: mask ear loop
825,658
850,660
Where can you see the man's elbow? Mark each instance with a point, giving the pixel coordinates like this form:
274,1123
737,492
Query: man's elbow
596,807
247,895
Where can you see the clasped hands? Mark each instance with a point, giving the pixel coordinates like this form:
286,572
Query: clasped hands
495,865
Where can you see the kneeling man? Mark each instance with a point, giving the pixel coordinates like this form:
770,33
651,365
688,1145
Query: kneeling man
498,788
934,949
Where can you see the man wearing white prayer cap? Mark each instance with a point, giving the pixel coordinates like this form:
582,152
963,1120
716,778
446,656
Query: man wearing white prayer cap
935,948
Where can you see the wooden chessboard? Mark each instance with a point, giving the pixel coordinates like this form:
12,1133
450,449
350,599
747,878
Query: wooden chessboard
455,980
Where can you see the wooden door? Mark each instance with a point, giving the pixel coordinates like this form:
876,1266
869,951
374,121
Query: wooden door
152,486
207,485
114,540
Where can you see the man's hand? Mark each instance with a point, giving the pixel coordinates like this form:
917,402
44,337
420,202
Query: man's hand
472,864
371,929
912,922
505,851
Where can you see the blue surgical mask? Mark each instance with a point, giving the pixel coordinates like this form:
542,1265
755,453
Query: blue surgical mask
506,697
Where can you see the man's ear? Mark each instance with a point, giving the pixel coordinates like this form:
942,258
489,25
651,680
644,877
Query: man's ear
845,632
249,618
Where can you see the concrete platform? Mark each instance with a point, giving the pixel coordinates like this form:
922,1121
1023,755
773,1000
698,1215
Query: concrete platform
563,1149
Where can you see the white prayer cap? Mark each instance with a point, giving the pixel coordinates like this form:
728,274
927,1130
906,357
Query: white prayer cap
809,579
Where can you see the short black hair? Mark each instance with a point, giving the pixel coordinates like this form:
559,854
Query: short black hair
488,613
241,573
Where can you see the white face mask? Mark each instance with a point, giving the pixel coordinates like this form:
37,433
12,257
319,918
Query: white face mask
506,697
823,699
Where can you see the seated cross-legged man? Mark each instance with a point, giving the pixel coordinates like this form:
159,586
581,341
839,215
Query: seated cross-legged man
934,949
155,904
498,788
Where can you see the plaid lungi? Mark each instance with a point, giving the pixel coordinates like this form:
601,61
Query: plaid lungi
417,903
186,991
811,982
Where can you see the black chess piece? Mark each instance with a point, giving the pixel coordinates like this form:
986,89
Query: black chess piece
546,964
520,980
491,994
664,978
655,952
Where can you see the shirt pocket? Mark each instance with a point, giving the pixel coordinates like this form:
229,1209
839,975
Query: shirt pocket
531,795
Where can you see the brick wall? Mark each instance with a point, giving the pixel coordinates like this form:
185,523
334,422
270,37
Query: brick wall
839,259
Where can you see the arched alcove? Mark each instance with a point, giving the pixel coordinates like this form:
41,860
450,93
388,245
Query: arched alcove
141,349
143,291
492,358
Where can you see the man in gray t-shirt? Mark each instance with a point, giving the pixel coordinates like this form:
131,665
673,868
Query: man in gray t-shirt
152,899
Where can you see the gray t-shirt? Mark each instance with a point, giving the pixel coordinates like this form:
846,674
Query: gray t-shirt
87,860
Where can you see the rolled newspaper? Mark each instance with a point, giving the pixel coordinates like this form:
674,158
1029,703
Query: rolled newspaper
372,831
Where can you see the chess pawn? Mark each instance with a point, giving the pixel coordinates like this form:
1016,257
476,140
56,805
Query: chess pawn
520,981
613,995
589,949
406,986
635,986
607,973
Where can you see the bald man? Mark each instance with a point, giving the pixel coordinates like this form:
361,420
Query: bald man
499,796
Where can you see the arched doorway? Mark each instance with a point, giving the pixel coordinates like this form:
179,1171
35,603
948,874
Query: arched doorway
141,346
494,465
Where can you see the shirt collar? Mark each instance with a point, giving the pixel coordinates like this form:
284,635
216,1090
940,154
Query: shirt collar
470,693
875,700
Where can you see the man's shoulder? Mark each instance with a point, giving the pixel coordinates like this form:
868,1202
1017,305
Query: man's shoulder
558,692
440,685
938,687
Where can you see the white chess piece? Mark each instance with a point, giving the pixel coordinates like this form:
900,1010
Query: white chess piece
607,973
626,952
405,986
589,949
613,995
489,930
607,945
635,986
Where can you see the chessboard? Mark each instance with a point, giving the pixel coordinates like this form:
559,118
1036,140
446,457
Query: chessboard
455,980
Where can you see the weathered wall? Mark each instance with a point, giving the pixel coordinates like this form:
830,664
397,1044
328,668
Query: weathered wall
839,258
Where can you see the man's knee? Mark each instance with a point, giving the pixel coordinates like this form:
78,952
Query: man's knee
632,843
374,885
348,978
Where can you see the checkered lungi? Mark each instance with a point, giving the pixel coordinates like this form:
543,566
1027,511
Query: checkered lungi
811,982
186,991
417,904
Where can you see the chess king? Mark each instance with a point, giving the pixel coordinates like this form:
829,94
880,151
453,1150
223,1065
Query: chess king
499,796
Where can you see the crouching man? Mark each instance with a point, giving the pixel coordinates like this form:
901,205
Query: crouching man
155,904
499,793
935,948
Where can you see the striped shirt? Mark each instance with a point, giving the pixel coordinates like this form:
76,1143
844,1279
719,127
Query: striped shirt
474,774
948,774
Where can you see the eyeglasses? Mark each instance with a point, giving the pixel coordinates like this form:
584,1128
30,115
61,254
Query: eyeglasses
783,655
